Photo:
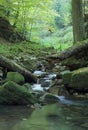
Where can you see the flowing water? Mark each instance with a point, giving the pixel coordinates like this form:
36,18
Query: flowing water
66,115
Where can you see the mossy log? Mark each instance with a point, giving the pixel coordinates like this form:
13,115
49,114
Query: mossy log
12,66
77,51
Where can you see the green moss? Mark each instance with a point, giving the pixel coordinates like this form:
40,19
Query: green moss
12,93
71,61
16,77
79,79
12,50
66,76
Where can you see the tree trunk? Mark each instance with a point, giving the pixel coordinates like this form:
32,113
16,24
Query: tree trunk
78,21
12,66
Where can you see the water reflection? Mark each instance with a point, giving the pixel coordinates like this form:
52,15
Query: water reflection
50,117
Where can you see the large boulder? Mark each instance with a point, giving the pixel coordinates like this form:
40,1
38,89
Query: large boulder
16,77
77,79
14,94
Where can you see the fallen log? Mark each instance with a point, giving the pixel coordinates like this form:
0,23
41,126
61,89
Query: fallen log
12,66
78,50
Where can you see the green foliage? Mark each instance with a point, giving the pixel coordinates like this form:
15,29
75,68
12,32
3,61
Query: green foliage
36,20
60,39
24,14
63,8
21,48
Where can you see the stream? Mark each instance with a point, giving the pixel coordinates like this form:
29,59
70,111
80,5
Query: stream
56,116
66,114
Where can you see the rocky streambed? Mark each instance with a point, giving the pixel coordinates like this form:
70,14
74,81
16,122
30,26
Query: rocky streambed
49,104
54,81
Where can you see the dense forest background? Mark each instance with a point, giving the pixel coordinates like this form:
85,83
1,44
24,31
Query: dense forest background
48,22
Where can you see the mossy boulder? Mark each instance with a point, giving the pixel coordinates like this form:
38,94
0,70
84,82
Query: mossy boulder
16,77
27,86
77,80
11,93
66,76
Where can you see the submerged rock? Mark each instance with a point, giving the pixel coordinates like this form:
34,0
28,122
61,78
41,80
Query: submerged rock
13,94
16,77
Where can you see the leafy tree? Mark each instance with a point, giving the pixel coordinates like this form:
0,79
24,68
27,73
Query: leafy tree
25,14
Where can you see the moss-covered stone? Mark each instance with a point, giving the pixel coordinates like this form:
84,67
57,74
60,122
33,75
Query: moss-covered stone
75,62
16,77
66,76
79,79
49,98
28,87
12,93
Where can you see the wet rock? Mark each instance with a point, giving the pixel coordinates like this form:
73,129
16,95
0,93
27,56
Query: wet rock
60,82
49,98
56,85
13,94
46,83
16,77
59,76
54,89
62,91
